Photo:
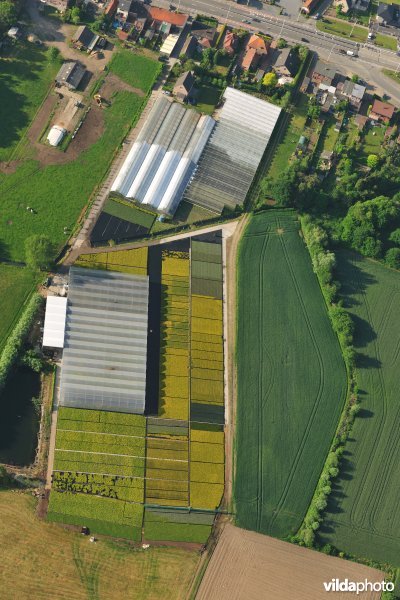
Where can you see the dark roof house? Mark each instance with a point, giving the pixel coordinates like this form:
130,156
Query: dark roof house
323,73
388,14
183,86
124,8
287,62
189,47
70,75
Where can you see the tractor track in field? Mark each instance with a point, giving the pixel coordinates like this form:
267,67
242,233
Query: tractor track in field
260,472
318,395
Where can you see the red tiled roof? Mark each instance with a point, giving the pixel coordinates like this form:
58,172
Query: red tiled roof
383,109
230,40
257,43
161,14
249,57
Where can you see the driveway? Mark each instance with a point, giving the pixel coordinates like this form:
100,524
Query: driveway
56,33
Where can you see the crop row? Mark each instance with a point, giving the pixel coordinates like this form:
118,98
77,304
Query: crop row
99,416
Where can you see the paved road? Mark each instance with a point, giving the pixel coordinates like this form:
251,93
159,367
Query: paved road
368,64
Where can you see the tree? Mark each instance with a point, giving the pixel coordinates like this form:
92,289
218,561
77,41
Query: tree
372,161
314,109
39,252
303,53
8,15
5,479
395,237
392,258
270,80
52,54
354,78
281,43
33,361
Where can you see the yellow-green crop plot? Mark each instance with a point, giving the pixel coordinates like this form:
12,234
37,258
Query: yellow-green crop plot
133,262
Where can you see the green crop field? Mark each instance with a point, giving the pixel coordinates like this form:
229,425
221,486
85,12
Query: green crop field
363,515
58,193
135,69
16,284
25,78
292,380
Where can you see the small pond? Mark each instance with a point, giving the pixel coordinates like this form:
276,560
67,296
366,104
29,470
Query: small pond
19,421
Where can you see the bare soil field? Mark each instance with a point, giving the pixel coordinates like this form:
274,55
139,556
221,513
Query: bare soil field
248,565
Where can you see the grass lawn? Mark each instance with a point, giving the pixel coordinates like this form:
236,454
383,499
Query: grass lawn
207,98
342,28
386,41
363,516
25,78
58,193
16,284
288,145
392,74
290,365
372,143
135,69
43,560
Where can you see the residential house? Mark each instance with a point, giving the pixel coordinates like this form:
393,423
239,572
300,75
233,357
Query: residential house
256,48
345,5
355,5
354,92
381,111
323,74
204,34
111,7
189,47
388,14
70,75
184,86
287,64
123,10
84,38
162,15
308,6
230,43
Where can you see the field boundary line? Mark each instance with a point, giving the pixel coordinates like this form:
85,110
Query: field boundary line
126,455
138,437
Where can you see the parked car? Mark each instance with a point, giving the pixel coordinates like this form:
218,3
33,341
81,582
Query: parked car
305,40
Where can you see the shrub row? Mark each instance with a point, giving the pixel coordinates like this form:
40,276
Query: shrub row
17,338
324,262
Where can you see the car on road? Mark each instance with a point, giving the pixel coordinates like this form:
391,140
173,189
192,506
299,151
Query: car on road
256,20
370,35
303,39
246,21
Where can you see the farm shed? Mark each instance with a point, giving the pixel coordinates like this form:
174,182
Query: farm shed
105,350
164,156
70,75
233,152
55,135
54,322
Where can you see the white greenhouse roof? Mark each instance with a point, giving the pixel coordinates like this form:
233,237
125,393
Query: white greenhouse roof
233,152
164,156
55,135
105,350
54,322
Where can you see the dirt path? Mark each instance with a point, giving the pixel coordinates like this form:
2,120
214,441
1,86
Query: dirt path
113,81
232,244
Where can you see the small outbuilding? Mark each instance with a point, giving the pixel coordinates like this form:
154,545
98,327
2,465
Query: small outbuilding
84,38
56,135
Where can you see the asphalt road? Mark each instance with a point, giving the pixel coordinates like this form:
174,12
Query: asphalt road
368,64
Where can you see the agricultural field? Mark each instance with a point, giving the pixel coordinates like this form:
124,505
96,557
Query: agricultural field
69,185
42,560
25,78
137,70
363,516
16,285
98,476
237,569
292,381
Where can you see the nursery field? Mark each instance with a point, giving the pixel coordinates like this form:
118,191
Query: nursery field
292,381
363,515
98,477
59,193
137,70
132,262
16,284
41,560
